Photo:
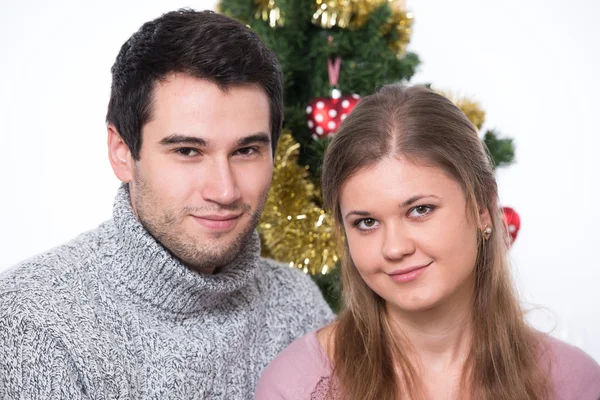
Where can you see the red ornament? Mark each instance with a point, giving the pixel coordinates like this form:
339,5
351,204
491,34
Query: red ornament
325,114
512,222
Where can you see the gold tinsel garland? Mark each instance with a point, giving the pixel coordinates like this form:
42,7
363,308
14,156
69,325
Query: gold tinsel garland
472,109
293,228
269,11
344,13
330,13
400,22
348,13
351,14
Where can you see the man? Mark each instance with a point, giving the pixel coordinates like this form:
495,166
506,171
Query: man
170,298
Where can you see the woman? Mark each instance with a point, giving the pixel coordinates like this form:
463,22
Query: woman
430,311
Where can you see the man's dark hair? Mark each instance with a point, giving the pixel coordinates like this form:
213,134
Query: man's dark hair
202,44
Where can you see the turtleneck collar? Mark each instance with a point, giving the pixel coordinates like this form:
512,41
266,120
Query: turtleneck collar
145,268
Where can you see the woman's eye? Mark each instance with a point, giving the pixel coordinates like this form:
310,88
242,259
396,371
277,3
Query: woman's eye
421,211
187,151
366,224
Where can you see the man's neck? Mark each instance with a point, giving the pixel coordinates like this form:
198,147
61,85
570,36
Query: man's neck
205,270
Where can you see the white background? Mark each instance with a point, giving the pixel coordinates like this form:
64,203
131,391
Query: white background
531,64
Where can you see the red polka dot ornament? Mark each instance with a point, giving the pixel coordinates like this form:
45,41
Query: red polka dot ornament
512,221
325,114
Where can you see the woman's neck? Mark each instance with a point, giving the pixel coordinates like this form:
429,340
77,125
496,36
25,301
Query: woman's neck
440,337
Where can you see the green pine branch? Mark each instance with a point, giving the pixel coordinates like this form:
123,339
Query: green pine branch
500,150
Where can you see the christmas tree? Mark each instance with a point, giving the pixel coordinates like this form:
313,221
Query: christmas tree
331,53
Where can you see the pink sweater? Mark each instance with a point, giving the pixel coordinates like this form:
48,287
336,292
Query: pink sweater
302,372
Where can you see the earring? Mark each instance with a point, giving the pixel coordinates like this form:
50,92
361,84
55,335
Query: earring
487,232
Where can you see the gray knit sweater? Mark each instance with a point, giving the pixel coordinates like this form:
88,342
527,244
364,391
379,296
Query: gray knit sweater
112,315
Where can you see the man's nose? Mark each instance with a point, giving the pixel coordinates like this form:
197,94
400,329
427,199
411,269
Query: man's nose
220,185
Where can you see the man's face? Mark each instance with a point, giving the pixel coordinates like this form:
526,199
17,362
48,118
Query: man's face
204,170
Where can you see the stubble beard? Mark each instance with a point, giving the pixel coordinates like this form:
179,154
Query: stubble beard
165,225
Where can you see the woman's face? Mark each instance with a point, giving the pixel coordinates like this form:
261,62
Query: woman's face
409,233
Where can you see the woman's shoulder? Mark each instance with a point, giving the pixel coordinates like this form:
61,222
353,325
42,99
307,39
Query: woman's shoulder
574,373
296,372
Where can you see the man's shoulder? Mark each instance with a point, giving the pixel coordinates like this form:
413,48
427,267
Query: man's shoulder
288,281
279,273
293,291
47,278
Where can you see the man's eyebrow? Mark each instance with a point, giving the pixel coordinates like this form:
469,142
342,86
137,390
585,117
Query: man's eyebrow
260,137
175,139
183,139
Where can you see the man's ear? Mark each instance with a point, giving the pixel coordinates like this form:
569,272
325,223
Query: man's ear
119,155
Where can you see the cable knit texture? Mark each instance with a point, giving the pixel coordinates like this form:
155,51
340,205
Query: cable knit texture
112,315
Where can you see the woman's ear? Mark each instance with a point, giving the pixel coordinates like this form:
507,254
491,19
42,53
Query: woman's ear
485,220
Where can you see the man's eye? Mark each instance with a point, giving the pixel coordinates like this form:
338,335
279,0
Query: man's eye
246,151
187,151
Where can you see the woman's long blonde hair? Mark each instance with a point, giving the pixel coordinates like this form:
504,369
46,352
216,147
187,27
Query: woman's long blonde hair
503,364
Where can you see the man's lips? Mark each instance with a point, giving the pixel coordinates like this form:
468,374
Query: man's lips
218,217
218,222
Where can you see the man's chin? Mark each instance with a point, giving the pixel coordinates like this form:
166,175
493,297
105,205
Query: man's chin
209,262
215,252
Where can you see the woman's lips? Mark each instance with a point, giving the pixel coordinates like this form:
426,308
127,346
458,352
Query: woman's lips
408,274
